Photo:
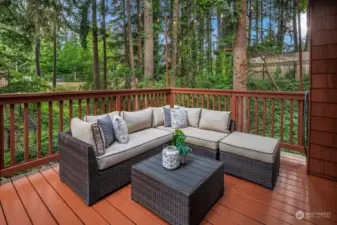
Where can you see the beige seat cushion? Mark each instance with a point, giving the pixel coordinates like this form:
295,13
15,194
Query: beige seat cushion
169,129
139,142
93,119
215,120
251,146
204,138
138,120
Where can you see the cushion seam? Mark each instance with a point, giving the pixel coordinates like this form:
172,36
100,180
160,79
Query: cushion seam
203,139
251,149
133,147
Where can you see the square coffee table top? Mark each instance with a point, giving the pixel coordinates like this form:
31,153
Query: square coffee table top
185,178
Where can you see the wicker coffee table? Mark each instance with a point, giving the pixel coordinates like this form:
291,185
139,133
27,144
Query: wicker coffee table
181,196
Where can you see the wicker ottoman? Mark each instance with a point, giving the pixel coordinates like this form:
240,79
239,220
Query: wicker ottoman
182,196
251,157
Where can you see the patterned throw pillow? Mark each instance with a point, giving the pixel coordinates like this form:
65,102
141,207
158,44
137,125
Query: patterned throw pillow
98,137
120,129
167,116
178,118
107,129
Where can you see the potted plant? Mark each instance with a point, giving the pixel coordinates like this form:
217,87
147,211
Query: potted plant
178,141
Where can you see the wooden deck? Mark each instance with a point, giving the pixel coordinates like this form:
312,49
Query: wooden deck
41,198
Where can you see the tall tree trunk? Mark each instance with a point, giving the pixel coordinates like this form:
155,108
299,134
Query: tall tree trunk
175,13
209,40
104,45
127,84
261,21
240,60
295,26
257,9
194,46
139,35
220,45
131,58
250,18
270,19
281,25
54,56
306,45
202,41
148,43
37,39
156,38
95,46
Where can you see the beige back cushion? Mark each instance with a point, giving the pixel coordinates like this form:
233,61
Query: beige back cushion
215,120
82,130
158,117
138,120
93,119
193,116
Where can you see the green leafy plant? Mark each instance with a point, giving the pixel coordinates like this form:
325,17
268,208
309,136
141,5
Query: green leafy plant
178,141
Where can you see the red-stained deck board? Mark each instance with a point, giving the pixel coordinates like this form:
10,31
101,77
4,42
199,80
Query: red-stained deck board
111,214
272,203
84,212
237,217
130,210
2,216
41,197
248,211
36,209
126,193
12,207
59,209
217,219
247,186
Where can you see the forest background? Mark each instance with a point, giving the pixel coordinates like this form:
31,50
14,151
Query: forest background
62,45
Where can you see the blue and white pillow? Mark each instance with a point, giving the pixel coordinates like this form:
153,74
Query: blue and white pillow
106,127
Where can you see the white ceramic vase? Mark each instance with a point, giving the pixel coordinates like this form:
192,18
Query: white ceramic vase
170,157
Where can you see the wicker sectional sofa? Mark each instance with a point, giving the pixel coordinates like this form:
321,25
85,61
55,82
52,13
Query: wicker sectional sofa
93,177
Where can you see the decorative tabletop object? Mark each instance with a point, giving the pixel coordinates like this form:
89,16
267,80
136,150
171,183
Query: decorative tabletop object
170,157
178,141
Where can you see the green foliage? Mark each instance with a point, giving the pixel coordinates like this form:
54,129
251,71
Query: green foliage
178,140
24,83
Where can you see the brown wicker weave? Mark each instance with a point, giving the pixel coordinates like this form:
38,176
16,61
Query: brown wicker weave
258,172
204,152
182,196
79,169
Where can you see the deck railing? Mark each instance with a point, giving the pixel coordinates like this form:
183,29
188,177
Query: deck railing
29,123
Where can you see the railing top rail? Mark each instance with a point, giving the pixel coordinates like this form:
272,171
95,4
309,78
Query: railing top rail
73,95
245,93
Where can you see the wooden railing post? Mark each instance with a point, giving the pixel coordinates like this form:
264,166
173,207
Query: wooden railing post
233,107
118,103
169,99
2,139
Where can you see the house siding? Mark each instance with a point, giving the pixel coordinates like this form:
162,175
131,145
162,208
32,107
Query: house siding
322,157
